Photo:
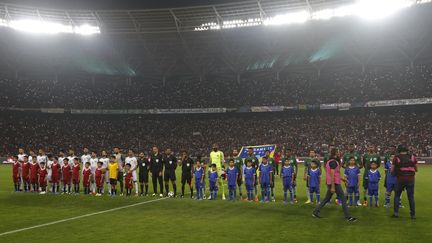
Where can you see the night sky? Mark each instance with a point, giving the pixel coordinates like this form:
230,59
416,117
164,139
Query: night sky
113,4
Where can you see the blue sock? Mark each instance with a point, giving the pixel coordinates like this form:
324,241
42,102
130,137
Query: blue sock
285,196
311,197
318,197
262,195
357,198
235,194
387,198
376,200
291,196
370,201
351,199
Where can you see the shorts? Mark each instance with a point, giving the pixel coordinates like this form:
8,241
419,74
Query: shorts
287,185
373,192
119,176
43,183
352,189
186,178
87,184
66,182
75,181
265,185
16,179
34,180
144,177
113,182
134,176
55,179
26,179
213,186
314,189
232,187
198,184
249,187
169,175
391,187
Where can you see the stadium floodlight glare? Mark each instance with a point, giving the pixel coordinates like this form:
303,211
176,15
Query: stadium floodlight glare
45,27
86,29
289,18
378,9
365,9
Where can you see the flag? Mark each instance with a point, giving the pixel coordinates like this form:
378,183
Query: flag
259,150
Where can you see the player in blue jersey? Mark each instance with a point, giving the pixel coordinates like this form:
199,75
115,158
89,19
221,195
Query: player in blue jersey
199,179
391,180
314,179
249,174
373,176
352,178
287,175
213,179
265,179
231,177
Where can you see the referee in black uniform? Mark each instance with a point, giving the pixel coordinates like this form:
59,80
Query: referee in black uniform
156,166
170,163
144,168
187,168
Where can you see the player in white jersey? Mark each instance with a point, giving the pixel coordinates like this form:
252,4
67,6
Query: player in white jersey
42,157
61,157
93,165
85,157
132,160
48,168
105,161
21,154
31,155
71,157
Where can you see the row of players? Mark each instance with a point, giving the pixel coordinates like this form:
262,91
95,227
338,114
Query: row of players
36,175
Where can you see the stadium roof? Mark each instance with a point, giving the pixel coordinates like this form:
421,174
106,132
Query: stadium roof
179,19
163,42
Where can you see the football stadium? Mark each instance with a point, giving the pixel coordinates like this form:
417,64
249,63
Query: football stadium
215,121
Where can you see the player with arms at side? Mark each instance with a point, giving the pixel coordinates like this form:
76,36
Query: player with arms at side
170,163
133,162
272,163
16,173
156,166
120,161
368,157
289,155
307,165
93,161
255,165
238,163
105,161
144,168
217,158
187,171
86,175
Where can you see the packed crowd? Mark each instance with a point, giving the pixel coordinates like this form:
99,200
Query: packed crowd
299,131
378,83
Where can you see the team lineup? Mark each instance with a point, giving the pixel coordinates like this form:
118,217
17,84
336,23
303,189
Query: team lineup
63,174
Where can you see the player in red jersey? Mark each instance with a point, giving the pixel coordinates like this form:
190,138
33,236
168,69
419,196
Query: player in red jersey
34,169
25,173
128,179
87,174
66,172
99,178
76,175
55,175
16,177
43,177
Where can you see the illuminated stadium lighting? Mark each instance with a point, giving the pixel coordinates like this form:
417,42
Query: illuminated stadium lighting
44,27
366,9
373,9
290,18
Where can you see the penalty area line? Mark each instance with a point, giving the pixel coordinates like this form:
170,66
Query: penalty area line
80,217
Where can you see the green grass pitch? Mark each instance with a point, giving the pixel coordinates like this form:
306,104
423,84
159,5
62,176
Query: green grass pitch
186,220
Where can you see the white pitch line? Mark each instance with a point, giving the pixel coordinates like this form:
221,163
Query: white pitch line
80,217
